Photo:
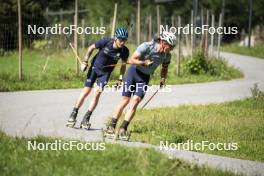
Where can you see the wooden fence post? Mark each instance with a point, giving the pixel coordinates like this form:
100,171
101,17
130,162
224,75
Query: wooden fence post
20,74
138,22
219,37
114,21
212,37
158,20
179,48
76,36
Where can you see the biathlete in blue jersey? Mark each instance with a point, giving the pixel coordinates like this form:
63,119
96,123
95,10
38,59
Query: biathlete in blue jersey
147,57
102,65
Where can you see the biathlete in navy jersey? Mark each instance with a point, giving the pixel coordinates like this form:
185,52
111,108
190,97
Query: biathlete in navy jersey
102,65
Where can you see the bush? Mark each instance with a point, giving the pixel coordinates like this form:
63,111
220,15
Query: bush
210,65
197,65
256,92
39,44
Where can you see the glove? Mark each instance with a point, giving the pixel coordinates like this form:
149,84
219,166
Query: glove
119,83
84,66
147,62
162,82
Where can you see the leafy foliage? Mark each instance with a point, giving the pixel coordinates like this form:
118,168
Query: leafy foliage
211,66
256,92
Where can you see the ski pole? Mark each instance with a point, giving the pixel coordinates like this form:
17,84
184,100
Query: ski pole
75,53
73,49
113,65
151,98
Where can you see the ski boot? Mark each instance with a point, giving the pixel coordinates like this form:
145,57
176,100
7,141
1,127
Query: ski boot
72,120
123,135
109,132
85,123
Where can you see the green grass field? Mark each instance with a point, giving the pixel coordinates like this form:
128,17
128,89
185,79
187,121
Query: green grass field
256,51
56,70
59,72
238,122
16,159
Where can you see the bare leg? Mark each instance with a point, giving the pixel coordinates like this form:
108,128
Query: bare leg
122,133
85,92
72,119
120,107
94,102
117,113
133,107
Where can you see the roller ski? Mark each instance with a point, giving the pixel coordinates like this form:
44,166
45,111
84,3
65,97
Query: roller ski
123,135
109,133
72,120
85,124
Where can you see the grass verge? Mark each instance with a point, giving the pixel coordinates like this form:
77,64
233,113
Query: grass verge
16,159
238,122
56,70
255,51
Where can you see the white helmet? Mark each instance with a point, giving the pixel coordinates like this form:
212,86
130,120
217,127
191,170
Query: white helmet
168,37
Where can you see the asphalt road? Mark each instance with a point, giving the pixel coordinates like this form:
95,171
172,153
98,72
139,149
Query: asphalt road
31,113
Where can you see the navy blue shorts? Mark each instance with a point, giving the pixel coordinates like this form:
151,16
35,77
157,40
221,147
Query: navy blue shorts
97,74
136,83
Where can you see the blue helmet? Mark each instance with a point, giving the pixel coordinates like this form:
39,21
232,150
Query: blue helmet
121,33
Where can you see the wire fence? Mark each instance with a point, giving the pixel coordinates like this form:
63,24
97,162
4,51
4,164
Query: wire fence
141,28
64,18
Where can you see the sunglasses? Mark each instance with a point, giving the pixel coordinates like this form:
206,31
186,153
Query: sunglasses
122,39
171,47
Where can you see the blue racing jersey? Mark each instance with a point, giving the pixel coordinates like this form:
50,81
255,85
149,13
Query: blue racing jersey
107,55
148,50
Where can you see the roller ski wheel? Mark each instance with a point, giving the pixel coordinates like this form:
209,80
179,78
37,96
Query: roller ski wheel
70,124
72,120
85,125
109,133
123,135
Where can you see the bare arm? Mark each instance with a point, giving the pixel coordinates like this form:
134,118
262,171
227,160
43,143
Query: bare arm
135,59
89,52
163,74
164,71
